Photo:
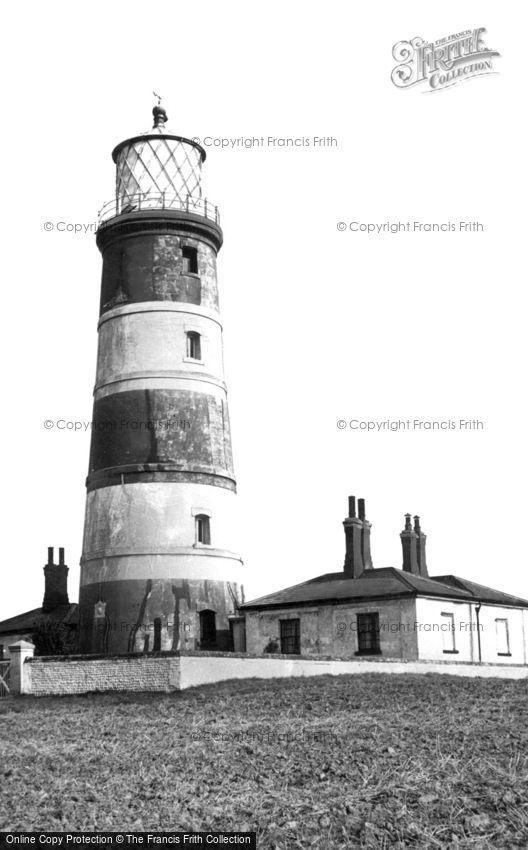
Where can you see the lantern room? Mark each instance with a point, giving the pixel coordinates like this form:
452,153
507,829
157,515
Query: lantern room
158,170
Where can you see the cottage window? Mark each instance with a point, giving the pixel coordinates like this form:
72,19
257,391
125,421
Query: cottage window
290,636
447,627
503,636
368,633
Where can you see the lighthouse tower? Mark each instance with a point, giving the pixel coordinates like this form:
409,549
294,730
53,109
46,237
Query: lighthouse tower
159,569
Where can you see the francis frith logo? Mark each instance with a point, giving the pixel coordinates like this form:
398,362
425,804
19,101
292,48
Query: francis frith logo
442,63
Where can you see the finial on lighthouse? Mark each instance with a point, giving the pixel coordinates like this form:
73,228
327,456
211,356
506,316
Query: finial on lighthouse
160,116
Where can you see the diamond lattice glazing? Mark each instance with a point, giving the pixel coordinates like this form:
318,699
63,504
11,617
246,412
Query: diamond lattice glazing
148,168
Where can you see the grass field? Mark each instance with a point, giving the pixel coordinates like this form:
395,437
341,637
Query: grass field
369,761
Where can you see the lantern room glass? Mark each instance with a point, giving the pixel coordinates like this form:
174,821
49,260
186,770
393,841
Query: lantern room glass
158,171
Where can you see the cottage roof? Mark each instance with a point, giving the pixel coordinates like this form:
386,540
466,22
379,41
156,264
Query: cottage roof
382,583
481,592
67,614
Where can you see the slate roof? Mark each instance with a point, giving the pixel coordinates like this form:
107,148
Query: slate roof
27,622
382,583
481,592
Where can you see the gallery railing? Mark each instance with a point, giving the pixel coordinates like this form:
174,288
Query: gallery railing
160,201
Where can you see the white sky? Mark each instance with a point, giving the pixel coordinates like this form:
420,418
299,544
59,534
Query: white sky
319,325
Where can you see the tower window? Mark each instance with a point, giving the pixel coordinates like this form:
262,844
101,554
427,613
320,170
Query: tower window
207,629
203,529
368,633
290,636
190,260
194,345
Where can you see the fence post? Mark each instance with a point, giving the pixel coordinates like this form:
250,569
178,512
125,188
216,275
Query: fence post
19,672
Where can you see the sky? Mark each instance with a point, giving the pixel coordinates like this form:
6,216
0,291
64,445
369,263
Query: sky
321,325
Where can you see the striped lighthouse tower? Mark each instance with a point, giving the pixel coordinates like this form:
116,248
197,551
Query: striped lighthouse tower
159,569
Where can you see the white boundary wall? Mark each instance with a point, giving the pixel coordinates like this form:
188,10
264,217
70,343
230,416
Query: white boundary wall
203,670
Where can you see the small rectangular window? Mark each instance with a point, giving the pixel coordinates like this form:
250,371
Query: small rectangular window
368,632
290,636
203,530
503,636
189,260
447,626
194,345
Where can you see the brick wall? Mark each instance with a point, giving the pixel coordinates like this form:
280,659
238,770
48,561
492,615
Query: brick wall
83,675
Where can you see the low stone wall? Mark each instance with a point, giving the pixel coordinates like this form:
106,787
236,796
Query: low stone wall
177,671
84,675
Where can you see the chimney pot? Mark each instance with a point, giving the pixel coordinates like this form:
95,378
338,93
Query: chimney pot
50,554
361,508
61,556
351,507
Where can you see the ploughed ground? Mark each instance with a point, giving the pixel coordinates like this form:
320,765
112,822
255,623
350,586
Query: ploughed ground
370,761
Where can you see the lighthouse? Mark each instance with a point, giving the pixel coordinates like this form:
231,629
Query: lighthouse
159,568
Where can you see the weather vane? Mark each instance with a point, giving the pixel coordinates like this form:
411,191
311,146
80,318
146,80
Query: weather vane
158,96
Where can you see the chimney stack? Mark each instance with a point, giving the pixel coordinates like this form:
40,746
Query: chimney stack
409,539
365,536
357,536
55,582
420,548
353,566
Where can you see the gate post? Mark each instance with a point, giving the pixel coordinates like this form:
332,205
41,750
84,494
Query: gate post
19,673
